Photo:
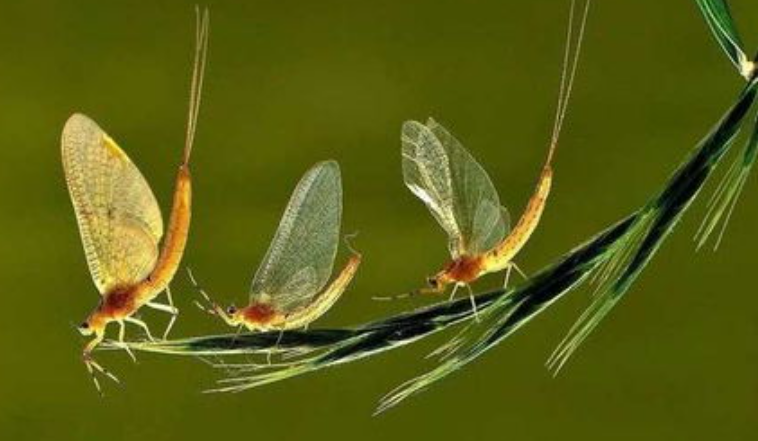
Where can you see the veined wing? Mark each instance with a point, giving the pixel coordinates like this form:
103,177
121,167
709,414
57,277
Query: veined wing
457,190
299,260
119,219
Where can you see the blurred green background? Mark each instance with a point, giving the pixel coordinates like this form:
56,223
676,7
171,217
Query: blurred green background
291,83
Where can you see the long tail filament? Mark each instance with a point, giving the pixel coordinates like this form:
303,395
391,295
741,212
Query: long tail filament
198,75
568,74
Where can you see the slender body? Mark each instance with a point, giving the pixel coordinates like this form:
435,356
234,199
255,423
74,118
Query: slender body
121,302
468,268
120,222
263,314
462,198
290,290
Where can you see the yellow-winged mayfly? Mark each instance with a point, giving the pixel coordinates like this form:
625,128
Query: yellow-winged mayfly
289,290
463,200
120,222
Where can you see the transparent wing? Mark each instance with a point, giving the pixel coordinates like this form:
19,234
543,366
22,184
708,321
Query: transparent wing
300,258
119,219
457,190
426,172
484,222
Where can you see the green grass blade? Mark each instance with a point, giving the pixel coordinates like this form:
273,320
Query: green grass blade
720,21
727,194
656,223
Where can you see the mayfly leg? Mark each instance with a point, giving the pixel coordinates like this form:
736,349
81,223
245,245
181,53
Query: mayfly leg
121,337
170,309
141,324
270,352
512,266
507,279
452,293
472,298
173,310
94,368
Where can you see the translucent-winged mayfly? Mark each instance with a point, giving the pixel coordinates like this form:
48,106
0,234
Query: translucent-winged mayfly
289,289
463,200
120,221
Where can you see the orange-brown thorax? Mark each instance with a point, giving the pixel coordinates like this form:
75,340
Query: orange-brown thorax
261,314
464,269
118,303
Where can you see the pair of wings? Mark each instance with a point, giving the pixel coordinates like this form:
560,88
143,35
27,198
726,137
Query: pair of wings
119,219
455,188
299,260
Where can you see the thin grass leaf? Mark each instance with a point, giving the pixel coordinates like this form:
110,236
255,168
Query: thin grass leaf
655,223
621,256
726,196
240,344
720,21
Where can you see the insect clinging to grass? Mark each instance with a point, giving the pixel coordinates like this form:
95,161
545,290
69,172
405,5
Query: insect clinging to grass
289,290
463,200
120,222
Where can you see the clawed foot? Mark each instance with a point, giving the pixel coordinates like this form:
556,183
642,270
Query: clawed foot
95,369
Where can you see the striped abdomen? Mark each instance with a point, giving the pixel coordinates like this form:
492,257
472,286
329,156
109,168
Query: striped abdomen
501,256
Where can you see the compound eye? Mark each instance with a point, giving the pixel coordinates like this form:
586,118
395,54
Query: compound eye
84,325
231,310
432,281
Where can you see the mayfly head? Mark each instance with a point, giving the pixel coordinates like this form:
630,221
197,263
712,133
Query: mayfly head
94,324
436,284
85,329
232,315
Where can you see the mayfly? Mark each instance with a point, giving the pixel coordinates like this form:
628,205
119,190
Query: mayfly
120,221
289,290
463,200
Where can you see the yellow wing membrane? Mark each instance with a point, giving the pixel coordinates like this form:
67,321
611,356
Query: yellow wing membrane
119,219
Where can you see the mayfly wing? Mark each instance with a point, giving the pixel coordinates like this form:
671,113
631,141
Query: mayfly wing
483,220
426,172
454,186
119,219
299,260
